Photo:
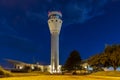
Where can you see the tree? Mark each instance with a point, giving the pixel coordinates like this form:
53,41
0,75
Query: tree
109,57
73,61
95,62
113,55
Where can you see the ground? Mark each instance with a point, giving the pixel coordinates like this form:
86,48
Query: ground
55,77
95,76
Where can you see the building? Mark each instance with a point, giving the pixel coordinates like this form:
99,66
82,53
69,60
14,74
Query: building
21,66
55,22
18,65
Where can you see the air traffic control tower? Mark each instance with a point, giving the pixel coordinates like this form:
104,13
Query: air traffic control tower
55,23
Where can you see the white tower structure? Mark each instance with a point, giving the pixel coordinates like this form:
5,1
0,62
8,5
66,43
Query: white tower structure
55,23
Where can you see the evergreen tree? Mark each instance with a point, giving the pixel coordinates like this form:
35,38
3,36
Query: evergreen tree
73,61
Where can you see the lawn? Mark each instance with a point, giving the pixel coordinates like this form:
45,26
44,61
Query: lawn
107,73
55,77
94,76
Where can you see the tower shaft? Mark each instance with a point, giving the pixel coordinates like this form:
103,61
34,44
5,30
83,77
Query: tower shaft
55,52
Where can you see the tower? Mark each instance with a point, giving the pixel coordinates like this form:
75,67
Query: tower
55,22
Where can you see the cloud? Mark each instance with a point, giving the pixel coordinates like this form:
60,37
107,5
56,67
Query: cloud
42,18
4,27
19,12
74,11
10,38
79,12
18,43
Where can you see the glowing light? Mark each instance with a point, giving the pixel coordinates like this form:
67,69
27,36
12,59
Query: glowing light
32,67
20,67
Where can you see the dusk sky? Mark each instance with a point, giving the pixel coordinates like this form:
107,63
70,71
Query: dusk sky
88,25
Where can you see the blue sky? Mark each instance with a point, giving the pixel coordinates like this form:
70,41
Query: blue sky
88,25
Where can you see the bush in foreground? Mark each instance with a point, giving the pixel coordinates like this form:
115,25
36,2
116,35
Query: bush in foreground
4,73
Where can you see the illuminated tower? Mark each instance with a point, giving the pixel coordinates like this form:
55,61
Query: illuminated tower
55,23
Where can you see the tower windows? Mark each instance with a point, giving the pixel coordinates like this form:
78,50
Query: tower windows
60,22
51,20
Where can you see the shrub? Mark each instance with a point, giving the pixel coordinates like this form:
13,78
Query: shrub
74,73
5,73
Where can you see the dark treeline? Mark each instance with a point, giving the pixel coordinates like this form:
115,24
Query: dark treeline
109,57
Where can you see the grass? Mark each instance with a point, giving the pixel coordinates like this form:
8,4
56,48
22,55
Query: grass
60,77
30,74
39,76
107,73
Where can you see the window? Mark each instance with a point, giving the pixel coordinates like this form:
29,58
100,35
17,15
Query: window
60,22
52,20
